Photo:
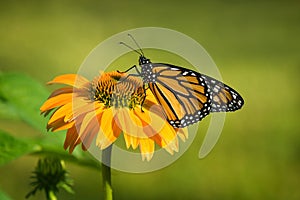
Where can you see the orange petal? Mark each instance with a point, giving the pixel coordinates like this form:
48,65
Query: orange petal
64,127
81,106
56,101
55,93
71,137
61,91
90,116
157,139
90,124
74,131
47,112
116,129
78,108
74,144
90,133
61,112
56,124
70,79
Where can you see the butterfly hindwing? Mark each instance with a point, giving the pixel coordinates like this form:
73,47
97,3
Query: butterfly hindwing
224,98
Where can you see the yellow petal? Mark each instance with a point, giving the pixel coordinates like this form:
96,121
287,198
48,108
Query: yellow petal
87,120
151,97
182,133
167,134
129,122
131,141
90,132
106,135
146,148
151,119
169,150
107,124
81,106
174,144
89,127
102,142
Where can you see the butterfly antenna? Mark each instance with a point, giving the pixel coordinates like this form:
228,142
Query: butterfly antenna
126,45
136,43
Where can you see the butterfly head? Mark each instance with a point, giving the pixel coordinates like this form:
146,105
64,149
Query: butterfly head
143,60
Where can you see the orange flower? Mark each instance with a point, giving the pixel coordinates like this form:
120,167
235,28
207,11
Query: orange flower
105,107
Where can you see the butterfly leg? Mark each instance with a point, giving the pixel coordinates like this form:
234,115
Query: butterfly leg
143,100
124,79
134,66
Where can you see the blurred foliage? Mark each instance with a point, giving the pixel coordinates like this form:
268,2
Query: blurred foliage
7,111
11,148
3,196
25,98
254,43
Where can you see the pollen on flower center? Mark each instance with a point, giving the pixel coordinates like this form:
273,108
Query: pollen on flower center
118,90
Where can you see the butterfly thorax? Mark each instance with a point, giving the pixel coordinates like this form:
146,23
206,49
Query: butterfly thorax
147,70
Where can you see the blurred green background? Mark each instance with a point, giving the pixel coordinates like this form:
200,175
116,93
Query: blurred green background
255,44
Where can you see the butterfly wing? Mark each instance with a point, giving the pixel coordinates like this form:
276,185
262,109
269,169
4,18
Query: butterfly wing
187,96
224,98
182,93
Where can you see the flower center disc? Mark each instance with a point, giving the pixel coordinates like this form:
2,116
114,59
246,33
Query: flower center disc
115,89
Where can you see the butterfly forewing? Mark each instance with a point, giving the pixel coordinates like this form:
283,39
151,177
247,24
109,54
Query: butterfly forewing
182,93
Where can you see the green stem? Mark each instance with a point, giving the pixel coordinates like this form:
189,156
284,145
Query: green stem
106,173
50,195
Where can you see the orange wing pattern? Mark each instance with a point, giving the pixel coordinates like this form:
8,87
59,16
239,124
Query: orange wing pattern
183,95
187,96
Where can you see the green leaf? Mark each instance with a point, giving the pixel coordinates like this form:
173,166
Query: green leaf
12,148
24,95
4,196
7,111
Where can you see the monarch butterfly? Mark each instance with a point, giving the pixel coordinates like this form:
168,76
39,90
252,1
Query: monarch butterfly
186,96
